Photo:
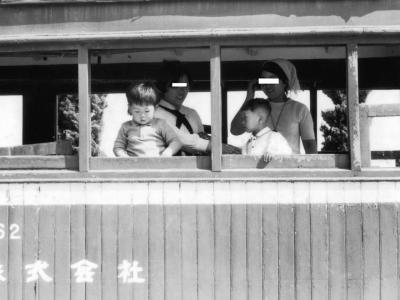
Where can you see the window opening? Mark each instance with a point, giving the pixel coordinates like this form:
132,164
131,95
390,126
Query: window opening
380,110
319,69
31,82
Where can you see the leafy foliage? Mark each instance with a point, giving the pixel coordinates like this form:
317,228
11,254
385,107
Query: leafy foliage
335,131
68,120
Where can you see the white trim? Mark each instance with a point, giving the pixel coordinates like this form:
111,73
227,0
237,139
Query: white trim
204,33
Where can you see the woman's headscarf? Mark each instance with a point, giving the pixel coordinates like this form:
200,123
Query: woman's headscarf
289,70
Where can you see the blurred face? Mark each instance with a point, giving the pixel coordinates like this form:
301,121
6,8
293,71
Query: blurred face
273,91
176,95
251,121
142,114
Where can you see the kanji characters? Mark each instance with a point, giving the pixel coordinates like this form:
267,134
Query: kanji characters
129,272
2,278
36,270
84,270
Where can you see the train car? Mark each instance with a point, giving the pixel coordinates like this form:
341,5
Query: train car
77,223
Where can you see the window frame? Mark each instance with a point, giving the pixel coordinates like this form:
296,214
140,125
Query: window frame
350,38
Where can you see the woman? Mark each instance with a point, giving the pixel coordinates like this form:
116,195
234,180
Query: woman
291,118
174,83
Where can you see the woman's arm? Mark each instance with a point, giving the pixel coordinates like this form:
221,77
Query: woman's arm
237,127
307,132
310,146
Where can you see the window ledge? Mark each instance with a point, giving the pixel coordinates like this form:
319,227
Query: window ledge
34,162
228,162
179,175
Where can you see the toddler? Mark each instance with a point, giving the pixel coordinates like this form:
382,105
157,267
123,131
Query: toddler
145,135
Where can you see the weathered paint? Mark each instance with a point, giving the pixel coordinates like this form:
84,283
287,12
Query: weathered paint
81,18
216,111
353,111
226,240
84,109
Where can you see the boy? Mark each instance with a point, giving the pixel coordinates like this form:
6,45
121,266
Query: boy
145,135
263,141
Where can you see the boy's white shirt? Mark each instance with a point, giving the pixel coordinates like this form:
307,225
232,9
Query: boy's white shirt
265,141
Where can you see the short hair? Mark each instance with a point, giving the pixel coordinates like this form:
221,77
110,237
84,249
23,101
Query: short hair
257,103
170,72
143,93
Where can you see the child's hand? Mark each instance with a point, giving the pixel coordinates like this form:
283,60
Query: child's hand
268,157
121,153
166,153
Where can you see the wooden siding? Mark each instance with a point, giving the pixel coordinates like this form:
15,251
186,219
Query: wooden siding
204,240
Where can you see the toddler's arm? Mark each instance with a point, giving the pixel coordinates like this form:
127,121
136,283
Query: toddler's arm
120,144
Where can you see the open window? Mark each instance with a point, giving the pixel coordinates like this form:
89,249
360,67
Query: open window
379,83
112,71
31,82
322,75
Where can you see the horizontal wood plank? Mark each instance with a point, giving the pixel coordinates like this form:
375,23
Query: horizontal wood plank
384,110
177,162
31,162
286,161
51,148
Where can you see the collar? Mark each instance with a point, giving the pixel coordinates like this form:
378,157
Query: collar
168,105
263,131
142,125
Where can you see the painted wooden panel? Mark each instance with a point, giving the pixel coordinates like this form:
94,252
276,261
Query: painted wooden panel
125,233
319,241
337,242
156,242
254,227
371,245
4,240
302,223
238,242
223,217
286,242
389,240
270,241
109,238
15,246
200,240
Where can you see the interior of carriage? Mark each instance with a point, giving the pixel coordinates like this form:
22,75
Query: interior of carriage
40,80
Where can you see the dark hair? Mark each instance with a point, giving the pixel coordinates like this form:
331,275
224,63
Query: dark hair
143,93
274,68
257,103
171,71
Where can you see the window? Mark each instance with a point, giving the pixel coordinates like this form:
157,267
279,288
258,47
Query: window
322,75
112,71
220,76
380,105
29,104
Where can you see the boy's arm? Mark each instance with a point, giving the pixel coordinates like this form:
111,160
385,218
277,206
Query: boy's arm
121,143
